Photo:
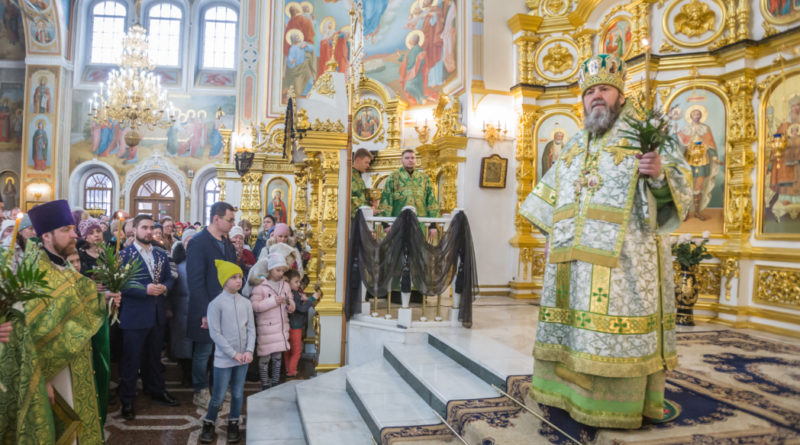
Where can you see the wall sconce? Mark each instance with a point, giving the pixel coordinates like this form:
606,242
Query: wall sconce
423,132
244,155
493,133
39,190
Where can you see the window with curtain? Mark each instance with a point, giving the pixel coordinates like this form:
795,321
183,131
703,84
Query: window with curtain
219,38
210,196
108,29
165,22
97,192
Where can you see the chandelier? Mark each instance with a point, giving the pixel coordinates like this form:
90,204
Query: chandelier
133,94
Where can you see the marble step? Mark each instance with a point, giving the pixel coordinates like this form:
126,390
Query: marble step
278,417
384,399
436,377
487,358
327,413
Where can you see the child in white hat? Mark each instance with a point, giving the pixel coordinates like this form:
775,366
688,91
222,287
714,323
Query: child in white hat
271,298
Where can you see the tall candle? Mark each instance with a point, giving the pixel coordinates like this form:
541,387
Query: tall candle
20,215
646,44
119,231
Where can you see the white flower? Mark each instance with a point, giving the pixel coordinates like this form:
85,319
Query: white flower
672,240
685,238
706,234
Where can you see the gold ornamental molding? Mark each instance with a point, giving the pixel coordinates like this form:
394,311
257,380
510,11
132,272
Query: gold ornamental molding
558,56
694,19
742,313
777,286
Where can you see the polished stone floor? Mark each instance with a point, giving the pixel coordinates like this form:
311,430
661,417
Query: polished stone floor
496,319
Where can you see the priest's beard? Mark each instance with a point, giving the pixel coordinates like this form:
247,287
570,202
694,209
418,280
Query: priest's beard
64,250
600,119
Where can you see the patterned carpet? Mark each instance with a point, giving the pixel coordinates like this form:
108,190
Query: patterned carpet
731,388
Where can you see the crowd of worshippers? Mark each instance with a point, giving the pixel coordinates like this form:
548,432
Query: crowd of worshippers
206,291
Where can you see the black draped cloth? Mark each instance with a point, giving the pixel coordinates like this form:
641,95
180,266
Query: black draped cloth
406,256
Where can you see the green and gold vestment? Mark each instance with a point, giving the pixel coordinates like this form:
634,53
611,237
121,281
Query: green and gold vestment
57,334
606,330
358,192
402,189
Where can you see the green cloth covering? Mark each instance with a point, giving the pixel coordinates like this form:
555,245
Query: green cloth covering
662,194
402,189
358,192
57,333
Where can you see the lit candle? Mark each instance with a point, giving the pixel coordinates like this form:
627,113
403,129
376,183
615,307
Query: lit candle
646,44
119,230
20,215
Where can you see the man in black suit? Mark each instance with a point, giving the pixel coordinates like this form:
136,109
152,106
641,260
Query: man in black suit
143,319
208,245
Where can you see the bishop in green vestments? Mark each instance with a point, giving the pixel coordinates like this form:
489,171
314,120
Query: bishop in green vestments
606,330
52,351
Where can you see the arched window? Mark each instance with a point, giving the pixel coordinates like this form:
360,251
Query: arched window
165,22
97,192
108,29
210,196
219,38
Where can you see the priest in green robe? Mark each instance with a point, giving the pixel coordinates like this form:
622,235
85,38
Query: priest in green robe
606,330
47,367
359,194
408,187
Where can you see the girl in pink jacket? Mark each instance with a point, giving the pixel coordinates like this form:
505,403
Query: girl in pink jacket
272,303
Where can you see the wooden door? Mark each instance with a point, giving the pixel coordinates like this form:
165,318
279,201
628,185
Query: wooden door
156,195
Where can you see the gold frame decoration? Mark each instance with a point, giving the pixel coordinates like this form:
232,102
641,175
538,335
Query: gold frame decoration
694,23
676,89
601,43
494,170
793,16
377,135
776,286
764,150
287,200
563,65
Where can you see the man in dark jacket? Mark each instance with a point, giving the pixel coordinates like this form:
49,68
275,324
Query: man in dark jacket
208,245
144,320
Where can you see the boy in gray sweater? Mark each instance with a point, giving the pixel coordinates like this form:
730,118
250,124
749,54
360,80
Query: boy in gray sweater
233,331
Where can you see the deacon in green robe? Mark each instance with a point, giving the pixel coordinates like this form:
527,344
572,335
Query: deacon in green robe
606,329
408,187
53,348
359,194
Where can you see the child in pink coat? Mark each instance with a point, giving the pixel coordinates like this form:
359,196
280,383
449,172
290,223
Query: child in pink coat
272,303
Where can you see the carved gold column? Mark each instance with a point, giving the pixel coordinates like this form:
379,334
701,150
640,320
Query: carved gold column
522,286
526,48
301,196
741,158
742,19
583,39
315,184
323,150
251,197
739,164
395,110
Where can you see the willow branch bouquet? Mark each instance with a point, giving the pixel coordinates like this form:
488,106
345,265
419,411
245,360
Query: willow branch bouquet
25,283
650,128
116,276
